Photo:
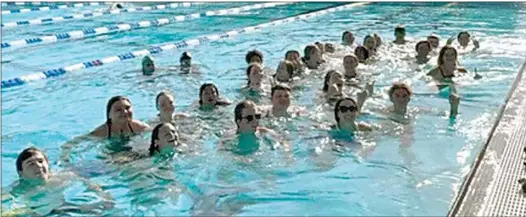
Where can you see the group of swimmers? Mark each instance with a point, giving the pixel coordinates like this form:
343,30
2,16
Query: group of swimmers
165,139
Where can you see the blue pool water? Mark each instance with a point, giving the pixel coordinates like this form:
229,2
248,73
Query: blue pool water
411,169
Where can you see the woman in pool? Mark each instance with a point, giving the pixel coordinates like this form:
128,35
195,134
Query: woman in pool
209,97
255,76
434,40
378,40
119,120
422,51
312,57
333,85
42,191
463,39
164,103
350,63
185,61
148,65
345,112
348,39
369,42
448,66
329,48
294,57
362,53
399,34
254,56
284,72
165,141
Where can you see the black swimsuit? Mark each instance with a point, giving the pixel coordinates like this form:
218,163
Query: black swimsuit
109,129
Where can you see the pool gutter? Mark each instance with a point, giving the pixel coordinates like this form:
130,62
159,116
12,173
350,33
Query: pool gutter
491,188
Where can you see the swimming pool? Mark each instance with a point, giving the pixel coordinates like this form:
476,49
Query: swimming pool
412,169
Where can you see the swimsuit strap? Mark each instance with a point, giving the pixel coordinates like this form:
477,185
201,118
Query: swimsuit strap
131,129
108,124
445,76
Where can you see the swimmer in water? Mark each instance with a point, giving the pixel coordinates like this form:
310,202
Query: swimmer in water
333,85
255,77
369,42
345,112
350,63
37,181
119,120
362,53
434,40
165,141
294,57
209,97
148,65
281,95
164,103
463,39
329,48
312,57
320,46
378,40
423,48
399,34
400,95
448,66
348,39
284,72
254,56
185,62
115,6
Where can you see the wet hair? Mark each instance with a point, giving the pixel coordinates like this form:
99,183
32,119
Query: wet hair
239,109
368,37
353,56
307,52
397,86
185,56
165,93
112,101
327,79
337,106
365,51
378,39
119,6
344,34
155,136
28,153
463,32
433,36
443,51
320,46
423,42
253,53
279,87
290,68
399,28
202,89
327,46
292,51
249,68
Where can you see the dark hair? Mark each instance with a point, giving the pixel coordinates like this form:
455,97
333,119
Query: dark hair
365,51
253,53
290,69
397,86
463,32
112,101
155,136
367,37
345,33
119,6
433,36
378,39
185,56
27,153
279,87
423,42
400,28
205,85
166,93
291,51
249,68
306,52
239,109
336,108
327,79
443,51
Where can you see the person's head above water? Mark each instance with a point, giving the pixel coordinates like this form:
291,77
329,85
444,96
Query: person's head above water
399,32
292,55
33,164
362,53
185,60
281,96
378,40
350,62
164,102
331,78
119,110
434,40
329,47
254,74
463,38
345,111
254,56
312,56
148,66
320,46
447,54
400,94
347,38
285,71
246,117
423,48
164,139
369,42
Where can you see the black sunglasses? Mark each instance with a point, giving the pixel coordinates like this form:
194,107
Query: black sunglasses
348,108
251,117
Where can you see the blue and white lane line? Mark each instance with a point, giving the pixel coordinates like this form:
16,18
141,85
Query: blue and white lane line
35,3
51,20
169,46
48,8
78,34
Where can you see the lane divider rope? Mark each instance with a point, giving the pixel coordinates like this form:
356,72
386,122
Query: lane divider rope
48,8
170,46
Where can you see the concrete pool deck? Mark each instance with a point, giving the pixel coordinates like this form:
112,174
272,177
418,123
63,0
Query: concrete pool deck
492,188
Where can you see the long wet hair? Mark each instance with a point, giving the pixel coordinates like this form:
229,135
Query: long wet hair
155,136
165,93
249,68
337,106
367,37
202,89
307,52
112,101
290,69
365,51
327,79
443,51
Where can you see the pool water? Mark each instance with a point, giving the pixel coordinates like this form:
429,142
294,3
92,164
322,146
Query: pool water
399,169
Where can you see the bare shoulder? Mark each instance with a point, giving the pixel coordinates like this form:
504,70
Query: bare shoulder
101,131
364,127
181,115
432,72
141,126
266,130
